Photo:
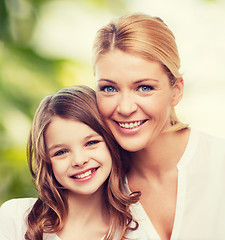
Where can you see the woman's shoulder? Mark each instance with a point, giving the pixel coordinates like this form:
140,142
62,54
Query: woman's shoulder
207,138
207,145
203,148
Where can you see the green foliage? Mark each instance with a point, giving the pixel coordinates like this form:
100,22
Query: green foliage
25,78
15,179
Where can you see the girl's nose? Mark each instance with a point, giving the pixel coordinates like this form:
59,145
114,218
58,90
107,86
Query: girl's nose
79,159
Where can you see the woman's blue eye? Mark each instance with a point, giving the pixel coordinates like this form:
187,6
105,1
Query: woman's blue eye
145,88
108,89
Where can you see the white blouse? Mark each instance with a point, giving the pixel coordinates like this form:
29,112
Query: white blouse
13,215
200,208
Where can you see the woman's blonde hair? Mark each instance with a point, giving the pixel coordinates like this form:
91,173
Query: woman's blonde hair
146,37
47,215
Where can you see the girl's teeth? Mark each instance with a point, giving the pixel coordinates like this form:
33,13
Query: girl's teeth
130,125
83,174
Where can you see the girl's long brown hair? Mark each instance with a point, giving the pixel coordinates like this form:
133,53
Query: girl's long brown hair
49,211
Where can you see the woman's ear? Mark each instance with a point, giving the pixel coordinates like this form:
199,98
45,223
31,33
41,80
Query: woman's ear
178,89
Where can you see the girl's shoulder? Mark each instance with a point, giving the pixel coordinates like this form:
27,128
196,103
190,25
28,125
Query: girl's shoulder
17,205
16,209
13,218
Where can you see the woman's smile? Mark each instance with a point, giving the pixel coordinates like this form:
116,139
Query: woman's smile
131,125
134,97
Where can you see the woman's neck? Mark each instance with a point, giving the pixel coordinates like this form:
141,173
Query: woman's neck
161,156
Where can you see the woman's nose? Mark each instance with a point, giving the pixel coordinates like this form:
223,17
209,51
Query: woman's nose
126,105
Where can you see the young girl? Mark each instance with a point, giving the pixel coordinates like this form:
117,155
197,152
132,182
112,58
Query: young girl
75,165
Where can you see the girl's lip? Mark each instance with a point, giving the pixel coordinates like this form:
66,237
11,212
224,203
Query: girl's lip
84,175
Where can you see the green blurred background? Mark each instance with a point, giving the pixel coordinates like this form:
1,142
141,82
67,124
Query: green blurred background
46,45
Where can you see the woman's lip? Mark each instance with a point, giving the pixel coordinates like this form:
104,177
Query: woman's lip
130,124
126,128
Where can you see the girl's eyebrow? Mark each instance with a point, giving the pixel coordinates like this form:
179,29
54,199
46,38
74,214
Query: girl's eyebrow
92,135
55,146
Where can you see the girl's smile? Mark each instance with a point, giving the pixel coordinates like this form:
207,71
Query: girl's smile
81,161
84,175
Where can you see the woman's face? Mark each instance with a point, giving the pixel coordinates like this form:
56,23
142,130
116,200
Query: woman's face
135,98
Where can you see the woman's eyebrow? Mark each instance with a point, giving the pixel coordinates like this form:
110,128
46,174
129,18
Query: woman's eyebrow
106,80
135,82
146,80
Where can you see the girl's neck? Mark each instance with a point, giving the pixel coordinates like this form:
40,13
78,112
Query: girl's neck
86,207
161,156
87,217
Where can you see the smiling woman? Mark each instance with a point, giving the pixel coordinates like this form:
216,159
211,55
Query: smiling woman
179,171
125,85
74,161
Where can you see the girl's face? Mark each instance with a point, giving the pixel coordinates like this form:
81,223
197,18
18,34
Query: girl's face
135,98
80,159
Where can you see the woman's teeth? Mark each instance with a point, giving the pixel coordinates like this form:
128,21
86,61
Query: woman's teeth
130,125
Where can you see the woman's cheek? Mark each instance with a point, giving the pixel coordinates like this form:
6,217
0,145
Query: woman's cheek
106,106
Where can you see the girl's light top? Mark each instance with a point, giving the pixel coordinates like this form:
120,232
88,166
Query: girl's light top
13,222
